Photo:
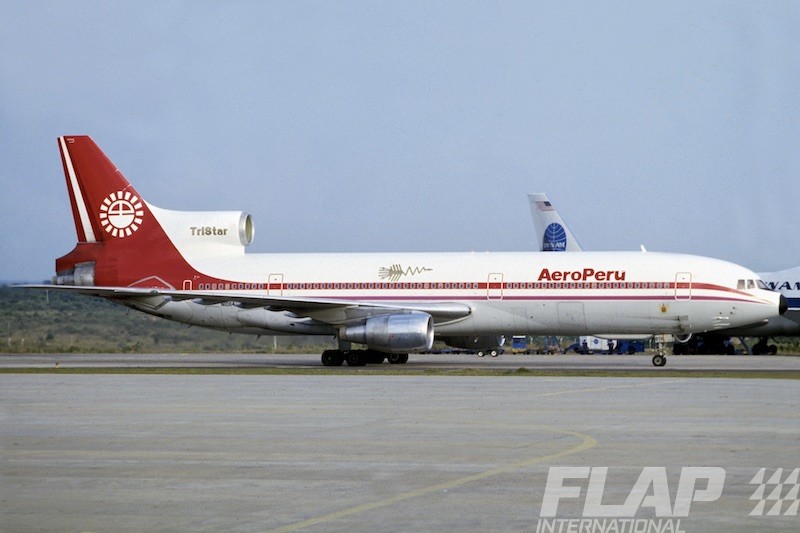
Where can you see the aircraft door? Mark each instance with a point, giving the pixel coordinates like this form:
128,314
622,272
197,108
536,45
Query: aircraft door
683,286
494,286
275,285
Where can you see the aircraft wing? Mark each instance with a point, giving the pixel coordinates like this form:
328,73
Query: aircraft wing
301,306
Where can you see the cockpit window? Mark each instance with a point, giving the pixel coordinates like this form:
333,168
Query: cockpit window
744,284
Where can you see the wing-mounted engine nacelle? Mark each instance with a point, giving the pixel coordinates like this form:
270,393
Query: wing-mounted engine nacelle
399,333
232,230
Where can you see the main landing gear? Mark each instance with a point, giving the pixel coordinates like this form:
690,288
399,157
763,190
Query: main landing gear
361,357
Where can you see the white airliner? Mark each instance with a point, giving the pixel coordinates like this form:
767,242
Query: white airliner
191,267
550,226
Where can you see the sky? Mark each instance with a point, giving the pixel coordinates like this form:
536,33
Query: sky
413,126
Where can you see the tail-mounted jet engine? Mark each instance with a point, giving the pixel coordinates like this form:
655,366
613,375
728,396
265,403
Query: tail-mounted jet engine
398,333
210,230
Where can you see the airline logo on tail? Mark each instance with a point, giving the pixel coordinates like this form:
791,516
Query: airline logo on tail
555,238
554,235
121,214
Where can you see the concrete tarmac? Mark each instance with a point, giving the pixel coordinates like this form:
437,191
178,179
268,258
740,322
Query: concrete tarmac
416,361
382,453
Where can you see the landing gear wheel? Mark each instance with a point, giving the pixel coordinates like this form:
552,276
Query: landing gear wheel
332,358
356,358
659,360
375,357
397,358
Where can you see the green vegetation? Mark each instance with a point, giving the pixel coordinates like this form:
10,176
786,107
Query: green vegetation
36,321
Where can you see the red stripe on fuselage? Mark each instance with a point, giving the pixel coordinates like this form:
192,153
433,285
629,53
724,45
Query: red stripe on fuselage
467,291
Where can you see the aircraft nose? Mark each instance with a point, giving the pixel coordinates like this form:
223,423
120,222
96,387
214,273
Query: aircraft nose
783,305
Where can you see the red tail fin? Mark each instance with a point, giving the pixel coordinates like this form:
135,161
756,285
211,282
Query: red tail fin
103,202
120,242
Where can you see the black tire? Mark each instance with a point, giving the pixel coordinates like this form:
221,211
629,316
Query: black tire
659,360
375,357
397,358
332,358
356,358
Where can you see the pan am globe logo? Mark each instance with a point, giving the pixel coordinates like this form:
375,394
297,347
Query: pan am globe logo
555,238
121,214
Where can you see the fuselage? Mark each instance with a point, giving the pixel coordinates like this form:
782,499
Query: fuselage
520,293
